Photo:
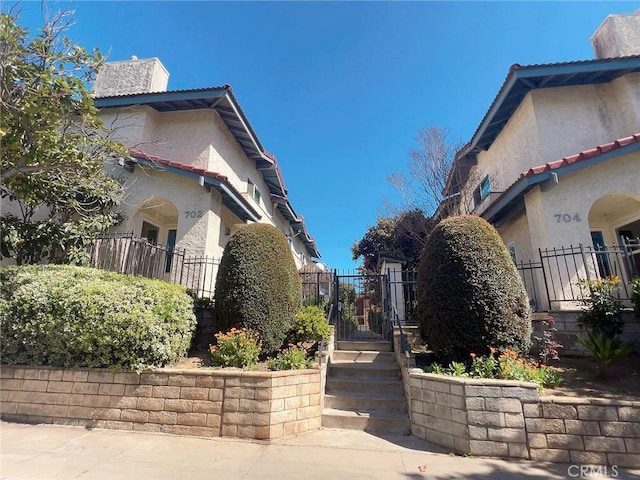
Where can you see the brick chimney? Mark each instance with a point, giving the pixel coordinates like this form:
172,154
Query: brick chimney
130,77
618,36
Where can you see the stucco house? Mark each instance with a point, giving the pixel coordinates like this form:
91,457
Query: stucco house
555,163
197,170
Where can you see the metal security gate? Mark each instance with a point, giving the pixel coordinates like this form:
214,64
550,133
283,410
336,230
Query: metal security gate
362,311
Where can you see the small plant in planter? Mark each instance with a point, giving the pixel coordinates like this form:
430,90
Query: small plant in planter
603,308
506,366
236,348
309,325
602,321
292,358
546,345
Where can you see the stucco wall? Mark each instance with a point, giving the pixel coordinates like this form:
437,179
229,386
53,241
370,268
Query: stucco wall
200,138
576,193
572,119
513,151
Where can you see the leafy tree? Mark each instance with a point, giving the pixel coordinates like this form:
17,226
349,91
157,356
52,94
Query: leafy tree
428,170
402,236
53,146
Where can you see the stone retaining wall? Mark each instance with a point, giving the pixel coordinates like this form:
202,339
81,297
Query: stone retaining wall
210,403
509,419
585,431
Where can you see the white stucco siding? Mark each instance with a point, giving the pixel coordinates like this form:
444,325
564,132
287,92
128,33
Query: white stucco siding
128,125
195,207
515,149
516,230
183,136
572,119
558,215
627,105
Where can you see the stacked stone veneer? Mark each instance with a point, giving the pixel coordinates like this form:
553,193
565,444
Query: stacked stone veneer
509,419
211,403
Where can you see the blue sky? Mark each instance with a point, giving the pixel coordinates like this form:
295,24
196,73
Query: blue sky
338,90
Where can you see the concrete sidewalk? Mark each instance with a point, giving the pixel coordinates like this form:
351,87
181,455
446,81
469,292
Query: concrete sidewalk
57,452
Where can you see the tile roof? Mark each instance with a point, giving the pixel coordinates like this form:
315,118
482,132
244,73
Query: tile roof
289,213
541,173
583,155
134,152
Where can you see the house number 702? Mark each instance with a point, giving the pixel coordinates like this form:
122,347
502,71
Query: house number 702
566,218
193,214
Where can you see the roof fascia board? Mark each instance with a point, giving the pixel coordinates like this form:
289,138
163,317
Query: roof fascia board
594,66
157,97
250,215
497,104
254,140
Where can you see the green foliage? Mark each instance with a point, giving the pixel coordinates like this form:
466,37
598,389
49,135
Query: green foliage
401,236
470,295
236,348
309,325
80,317
635,295
607,350
53,146
293,358
603,309
376,320
507,366
258,286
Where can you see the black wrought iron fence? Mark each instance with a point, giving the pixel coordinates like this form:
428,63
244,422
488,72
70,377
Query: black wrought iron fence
128,254
553,282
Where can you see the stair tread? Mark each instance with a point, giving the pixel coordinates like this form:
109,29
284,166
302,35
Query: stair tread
364,364
363,413
365,379
365,395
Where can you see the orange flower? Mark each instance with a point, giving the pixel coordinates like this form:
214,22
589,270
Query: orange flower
493,350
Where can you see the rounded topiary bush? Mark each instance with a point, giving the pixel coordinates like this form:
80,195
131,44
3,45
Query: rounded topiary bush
68,316
470,295
258,285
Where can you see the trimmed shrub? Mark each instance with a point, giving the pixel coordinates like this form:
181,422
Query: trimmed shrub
470,294
68,316
258,286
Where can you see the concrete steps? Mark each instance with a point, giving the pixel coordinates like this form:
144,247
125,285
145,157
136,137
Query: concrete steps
364,390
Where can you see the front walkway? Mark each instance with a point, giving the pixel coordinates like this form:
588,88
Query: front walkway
57,452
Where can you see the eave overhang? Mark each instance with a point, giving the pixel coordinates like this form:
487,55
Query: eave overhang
519,82
297,224
522,79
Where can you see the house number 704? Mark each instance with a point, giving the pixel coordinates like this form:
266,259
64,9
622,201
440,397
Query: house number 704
566,218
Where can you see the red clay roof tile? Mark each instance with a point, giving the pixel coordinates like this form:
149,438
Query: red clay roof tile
581,156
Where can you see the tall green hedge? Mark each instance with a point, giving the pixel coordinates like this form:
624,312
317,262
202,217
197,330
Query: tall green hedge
69,316
470,294
258,285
